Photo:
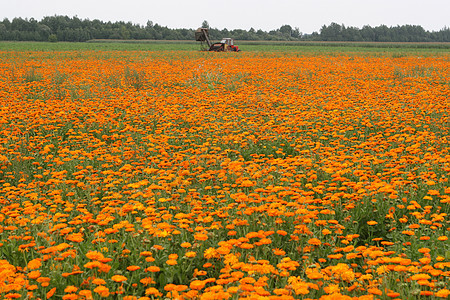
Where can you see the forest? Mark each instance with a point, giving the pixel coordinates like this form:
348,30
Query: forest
73,29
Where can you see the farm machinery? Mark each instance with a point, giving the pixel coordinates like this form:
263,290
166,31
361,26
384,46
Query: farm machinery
225,45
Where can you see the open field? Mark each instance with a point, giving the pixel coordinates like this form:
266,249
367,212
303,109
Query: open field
247,46
316,173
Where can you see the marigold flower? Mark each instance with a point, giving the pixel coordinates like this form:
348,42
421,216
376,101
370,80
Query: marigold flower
246,246
86,293
190,254
277,251
102,290
393,294
326,231
200,237
34,264
153,269
50,293
265,241
210,253
171,262
94,255
375,291
331,289
169,287
197,284
314,242
152,291
98,281
133,268
420,276
186,245
70,289
173,256
314,275
34,274
443,293
223,250
335,256
118,278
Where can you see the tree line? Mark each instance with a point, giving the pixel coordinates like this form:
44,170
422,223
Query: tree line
74,29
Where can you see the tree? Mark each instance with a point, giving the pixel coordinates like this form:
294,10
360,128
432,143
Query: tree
205,24
331,33
52,38
367,33
296,33
124,33
286,30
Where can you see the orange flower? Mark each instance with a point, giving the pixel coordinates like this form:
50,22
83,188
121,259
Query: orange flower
70,289
103,291
98,281
190,254
152,291
278,251
210,253
315,242
420,276
171,262
133,268
50,293
197,285
393,294
375,291
153,269
443,293
34,264
86,293
34,274
173,256
147,281
118,278
315,275
331,289
246,246
94,255
200,237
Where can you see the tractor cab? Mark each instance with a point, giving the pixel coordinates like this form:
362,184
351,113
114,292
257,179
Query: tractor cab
228,45
228,41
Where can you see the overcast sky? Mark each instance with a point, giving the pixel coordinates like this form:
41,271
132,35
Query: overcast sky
307,15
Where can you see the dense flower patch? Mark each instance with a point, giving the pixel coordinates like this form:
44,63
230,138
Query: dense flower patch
186,175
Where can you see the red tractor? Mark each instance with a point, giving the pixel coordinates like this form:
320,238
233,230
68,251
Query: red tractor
225,45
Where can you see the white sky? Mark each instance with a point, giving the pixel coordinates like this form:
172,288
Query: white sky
307,15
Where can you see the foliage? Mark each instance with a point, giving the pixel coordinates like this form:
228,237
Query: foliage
78,30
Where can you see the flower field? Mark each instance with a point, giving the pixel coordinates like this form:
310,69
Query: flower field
191,175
